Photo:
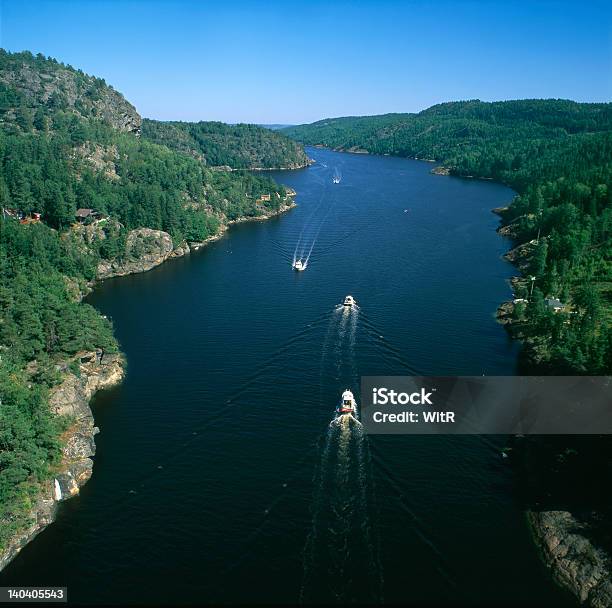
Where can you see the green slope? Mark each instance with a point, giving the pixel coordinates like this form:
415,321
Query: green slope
558,155
239,146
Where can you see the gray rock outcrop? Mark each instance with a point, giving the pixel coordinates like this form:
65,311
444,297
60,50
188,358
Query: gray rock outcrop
575,562
145,249
70,398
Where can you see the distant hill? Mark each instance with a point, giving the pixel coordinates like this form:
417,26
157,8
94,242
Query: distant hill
275,127
470,137
239,146
558,155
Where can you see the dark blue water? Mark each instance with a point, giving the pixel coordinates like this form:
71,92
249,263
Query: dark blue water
218,476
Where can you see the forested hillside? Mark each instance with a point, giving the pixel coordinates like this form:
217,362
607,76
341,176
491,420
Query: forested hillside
36,88
558,156
237,146
68,141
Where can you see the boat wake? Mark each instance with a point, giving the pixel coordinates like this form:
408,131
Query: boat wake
340,558
306,244
312,228
344,361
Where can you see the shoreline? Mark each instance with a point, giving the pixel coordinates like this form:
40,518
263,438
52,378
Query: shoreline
439,170
72,397
294,167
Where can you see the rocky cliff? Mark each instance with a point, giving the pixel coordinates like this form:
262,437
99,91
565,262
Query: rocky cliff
96,371
145,249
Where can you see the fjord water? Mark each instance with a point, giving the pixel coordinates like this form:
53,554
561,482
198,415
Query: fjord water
218,477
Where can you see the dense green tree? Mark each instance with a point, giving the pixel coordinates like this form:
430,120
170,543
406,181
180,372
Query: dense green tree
239,146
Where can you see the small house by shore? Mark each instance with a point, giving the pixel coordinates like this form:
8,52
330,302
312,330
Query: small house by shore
22,216
85,216
555,304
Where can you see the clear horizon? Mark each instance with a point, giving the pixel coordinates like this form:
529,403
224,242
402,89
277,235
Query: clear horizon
290,63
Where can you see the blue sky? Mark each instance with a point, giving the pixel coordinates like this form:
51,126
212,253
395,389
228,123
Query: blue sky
293,62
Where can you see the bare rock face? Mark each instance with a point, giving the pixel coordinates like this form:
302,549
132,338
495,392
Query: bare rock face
145,249
509,230
71,397
79,446
100,158
440,171
181,250
66,487
576,563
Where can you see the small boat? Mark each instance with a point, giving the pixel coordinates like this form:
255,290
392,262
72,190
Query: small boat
347,404
299,265
349,301
336,179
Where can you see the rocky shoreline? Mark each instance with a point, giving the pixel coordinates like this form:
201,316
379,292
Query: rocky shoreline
574,561
157,247
96,371
562,539
290,167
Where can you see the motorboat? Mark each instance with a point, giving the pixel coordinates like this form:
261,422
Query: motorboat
349,301
336,179
299,265
347,404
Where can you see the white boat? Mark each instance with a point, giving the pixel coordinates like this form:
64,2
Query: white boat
347,404
349,301
299,265
336,179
